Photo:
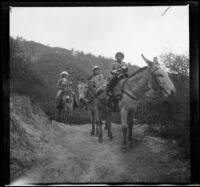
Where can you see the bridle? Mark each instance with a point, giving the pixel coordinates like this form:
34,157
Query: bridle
89,90
156,80
144,97
67,93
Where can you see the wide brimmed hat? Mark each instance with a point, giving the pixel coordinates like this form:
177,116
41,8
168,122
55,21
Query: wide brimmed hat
96,67
64,73
119,53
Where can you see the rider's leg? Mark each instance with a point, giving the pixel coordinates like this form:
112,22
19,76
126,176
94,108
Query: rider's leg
58,97
112,84
110,87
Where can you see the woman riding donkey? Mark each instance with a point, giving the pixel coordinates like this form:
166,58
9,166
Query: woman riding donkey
119,71
98,80
63,85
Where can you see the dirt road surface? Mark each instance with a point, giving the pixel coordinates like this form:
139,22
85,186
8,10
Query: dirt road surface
77,157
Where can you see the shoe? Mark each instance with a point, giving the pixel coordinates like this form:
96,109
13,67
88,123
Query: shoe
115,106
109,102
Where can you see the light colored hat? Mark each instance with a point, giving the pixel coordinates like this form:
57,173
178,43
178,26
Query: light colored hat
64,73
96,67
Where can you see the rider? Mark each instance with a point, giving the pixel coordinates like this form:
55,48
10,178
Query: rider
98,80
119,70
64,84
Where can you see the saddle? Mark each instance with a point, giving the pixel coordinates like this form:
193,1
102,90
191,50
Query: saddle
113,100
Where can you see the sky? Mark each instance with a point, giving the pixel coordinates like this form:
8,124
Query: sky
106,30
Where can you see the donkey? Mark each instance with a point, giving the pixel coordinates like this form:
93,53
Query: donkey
96,107
65,111
149,82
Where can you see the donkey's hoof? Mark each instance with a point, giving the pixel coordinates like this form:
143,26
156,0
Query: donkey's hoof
111,138
97,134
130,144
92,133
124,145
100,140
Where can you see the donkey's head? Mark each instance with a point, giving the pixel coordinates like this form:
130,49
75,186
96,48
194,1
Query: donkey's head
159,79
82,91
85,88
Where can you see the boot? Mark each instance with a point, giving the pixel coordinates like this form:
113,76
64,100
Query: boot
58,103
109,101
115,106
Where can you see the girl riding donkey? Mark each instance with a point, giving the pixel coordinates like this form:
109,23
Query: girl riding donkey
119,71
64,86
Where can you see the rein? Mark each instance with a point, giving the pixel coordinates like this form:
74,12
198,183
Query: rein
87,95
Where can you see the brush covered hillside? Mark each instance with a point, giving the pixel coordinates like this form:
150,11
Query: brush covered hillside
48,62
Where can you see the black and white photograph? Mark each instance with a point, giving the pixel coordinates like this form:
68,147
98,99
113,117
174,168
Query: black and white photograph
99,95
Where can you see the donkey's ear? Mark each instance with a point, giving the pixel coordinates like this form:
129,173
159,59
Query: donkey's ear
149,62
155,60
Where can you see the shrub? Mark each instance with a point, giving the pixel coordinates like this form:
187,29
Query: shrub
172,116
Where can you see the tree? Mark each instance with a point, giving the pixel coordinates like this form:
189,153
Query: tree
179,63
23,79
17,59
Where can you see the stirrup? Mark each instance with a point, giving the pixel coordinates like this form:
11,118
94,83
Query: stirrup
109,102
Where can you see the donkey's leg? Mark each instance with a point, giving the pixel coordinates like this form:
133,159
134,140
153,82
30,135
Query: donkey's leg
130,127
108,123
91,113
99,122
71,112
124,115
66,115
57,114
106,126
96,122
105,115
70,115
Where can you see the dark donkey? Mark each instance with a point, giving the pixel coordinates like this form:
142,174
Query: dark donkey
65,111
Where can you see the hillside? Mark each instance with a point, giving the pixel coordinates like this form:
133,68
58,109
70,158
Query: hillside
43,65
43,151
48,62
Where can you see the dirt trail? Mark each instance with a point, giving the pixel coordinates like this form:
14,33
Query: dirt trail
77,157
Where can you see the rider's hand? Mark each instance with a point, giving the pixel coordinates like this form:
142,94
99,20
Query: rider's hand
124,67
114,71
